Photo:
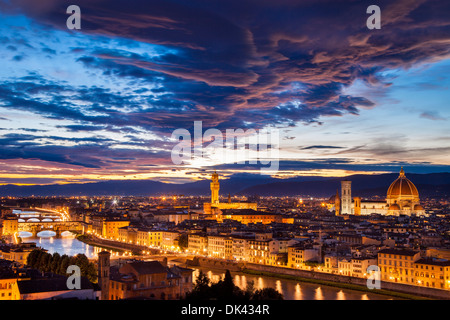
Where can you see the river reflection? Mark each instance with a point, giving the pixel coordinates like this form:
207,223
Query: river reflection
291,289
67,244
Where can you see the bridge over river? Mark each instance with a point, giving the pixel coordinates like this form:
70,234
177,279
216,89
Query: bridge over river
36,220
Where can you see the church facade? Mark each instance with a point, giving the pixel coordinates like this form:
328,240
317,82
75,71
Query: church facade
402,199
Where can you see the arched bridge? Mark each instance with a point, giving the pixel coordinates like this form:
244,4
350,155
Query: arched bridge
39,217
56,226
35,220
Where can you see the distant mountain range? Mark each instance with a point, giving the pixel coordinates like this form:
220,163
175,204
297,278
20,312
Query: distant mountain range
433,184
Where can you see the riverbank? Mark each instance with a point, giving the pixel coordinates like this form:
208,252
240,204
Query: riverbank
336,285
290,274
87,240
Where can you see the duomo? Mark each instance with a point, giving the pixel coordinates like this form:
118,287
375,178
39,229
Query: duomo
402,199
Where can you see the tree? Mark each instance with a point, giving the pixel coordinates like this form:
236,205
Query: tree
249,289
64,264
267,294
56,260
201,288
226,290
43,261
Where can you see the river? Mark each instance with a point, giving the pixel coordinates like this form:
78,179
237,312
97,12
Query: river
291,289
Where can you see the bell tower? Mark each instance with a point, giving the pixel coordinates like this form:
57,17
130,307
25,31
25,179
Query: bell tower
346,197
215,186
103,274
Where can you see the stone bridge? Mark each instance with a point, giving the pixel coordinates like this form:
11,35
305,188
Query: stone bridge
40,217
56,226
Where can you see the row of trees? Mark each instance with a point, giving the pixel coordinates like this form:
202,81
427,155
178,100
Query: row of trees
43,261
225,289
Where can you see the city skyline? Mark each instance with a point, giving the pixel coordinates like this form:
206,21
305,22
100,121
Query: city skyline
100,103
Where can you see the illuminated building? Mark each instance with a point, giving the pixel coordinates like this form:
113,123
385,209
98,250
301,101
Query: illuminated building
170,240
142,237
402,199
433,273
155,238
151,280
397,265
18,253
264,249
239,247
111,227
55,287
220,246
360,265
246,216
198,243
10,225
298,255
346,197
103,265
215,205
8,284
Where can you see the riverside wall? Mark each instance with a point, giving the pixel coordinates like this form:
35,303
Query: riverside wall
390,286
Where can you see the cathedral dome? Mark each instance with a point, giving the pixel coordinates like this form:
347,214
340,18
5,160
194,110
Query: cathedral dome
394,207
418,207
402,188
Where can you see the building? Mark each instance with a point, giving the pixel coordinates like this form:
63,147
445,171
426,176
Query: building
175,215
433,273
215,204
149,280
198,243
155,238
240,247
142,237
111,228
10,225
220,246
346,197
397,265
55,288
18,253
8,281
259,251
299,254
331,263
402,198
345,266
246,216
104,266
170,240
359,266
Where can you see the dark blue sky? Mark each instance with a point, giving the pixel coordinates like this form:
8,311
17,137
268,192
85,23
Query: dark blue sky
102,102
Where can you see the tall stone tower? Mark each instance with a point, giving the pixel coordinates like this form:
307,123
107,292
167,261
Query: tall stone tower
337,203
103,274
215,186
346,197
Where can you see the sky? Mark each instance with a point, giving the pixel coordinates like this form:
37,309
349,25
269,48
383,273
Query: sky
102,102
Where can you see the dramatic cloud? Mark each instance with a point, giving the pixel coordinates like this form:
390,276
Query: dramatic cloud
118,87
